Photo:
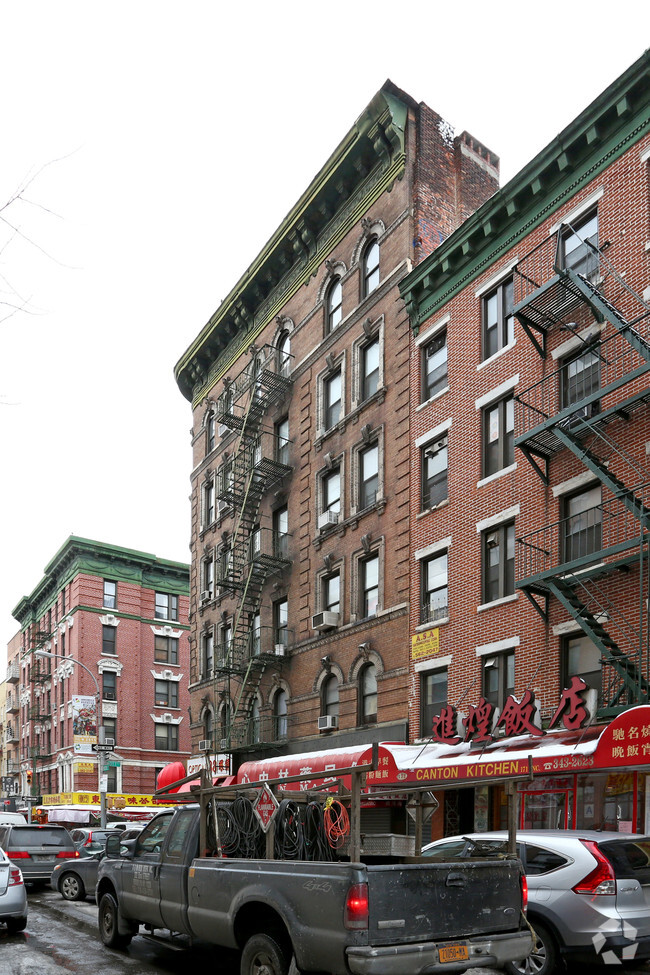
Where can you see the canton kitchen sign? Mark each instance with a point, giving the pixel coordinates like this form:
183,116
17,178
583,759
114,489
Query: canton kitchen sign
484,723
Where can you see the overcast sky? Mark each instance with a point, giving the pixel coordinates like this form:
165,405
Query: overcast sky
166,141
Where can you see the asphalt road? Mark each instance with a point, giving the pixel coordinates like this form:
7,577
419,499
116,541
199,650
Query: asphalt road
61,937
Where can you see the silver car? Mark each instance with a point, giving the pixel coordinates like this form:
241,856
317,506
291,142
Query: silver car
13,896
588,893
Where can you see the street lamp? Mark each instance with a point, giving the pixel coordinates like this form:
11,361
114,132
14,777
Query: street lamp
100,729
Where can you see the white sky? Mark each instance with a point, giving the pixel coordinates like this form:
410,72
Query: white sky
184,133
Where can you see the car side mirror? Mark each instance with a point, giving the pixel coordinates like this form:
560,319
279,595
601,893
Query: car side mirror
114,846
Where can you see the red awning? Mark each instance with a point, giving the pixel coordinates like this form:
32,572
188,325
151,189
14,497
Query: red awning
217,780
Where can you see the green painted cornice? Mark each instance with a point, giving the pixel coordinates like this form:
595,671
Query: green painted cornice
82,555
366,163
607,128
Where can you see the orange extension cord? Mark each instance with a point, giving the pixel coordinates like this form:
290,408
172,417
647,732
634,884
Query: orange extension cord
337,823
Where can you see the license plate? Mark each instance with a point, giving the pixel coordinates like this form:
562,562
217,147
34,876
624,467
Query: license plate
448,953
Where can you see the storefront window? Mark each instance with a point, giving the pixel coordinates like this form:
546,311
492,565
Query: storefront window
607,802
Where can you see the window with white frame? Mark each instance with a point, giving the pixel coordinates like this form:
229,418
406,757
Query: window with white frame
166,693
334,305
282,441
280,712
369,362
330,696
330,487
499,677
166,737
165,649
110,594
208,503
434,588
368,475
207,651
368,694
498,435
434,366
281,622
434,472
331,592
369,585
166,607
332,397
580,245
498,320
433,698
498,562
370,265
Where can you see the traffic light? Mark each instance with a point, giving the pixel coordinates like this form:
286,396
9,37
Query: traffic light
29,776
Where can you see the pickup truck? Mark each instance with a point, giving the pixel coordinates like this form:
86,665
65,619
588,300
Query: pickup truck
405,918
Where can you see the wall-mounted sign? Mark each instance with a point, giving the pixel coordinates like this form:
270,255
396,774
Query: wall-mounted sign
425,644
84,723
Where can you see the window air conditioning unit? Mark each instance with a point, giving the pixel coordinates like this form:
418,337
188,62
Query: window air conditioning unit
328,722
204,746
110,742
280,649
224,744
328,518
205,595
325,621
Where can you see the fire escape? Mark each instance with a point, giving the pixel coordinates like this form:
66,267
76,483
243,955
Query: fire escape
40,675
569,285
254,552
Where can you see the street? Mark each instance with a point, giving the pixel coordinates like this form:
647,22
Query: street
62,937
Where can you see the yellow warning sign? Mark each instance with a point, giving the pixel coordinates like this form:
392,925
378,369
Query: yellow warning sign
425,644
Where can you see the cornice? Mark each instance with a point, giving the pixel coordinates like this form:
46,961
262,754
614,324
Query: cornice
596,138
365,164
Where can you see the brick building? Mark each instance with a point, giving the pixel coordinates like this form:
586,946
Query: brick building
11,720
299,385
529,443
116,620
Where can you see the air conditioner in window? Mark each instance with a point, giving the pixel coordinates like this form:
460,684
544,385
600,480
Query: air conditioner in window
110,742
280,649
325,621
204,746
205,595
224,745
328,722
328,518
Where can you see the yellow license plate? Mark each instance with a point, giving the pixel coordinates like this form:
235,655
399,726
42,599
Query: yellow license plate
453,953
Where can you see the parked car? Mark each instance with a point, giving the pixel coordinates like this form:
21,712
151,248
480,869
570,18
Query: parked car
587,893
90,838
13,896
76,879
12,819
36,849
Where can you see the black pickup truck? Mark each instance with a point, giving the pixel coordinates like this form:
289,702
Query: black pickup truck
405,918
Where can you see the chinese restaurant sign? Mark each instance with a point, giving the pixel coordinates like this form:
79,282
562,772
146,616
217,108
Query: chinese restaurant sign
92,799
518,717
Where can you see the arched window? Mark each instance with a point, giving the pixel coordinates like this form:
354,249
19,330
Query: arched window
368,694
284,354
330,697
280,714
208,726
334,304
370,267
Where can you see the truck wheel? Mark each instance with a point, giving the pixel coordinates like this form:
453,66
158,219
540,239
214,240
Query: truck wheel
262,955
71,887
107,918
543,958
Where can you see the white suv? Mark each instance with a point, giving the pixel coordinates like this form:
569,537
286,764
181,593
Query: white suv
588,893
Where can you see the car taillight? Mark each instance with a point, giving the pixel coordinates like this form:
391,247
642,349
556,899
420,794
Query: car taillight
18,855
15,878
524,893
355,916
64,855
602,879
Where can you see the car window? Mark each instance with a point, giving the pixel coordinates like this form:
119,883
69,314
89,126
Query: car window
446,851
538,860
630,859
30,836
152,837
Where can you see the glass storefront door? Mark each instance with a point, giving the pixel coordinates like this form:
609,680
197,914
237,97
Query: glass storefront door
545,810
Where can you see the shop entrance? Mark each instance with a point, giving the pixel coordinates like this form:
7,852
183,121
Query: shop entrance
546,810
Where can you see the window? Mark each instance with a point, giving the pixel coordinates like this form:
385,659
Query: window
498,436
581,658
332,593
109,685
368,694
224,563
110,728
434,589
330,697
331,491
208,503
166,606
208,722
281,622
208,579
370,267
166,737
578,245
166,650
332,391
499,677
281,532
498,320
582,524
208,654
369,585
334,304
282,441
255,723
211,432
280,714
166,694
580,377
368,476
433,698
284,354
110,594
109,634
434,473
256,634
370,369
498,562
434,366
